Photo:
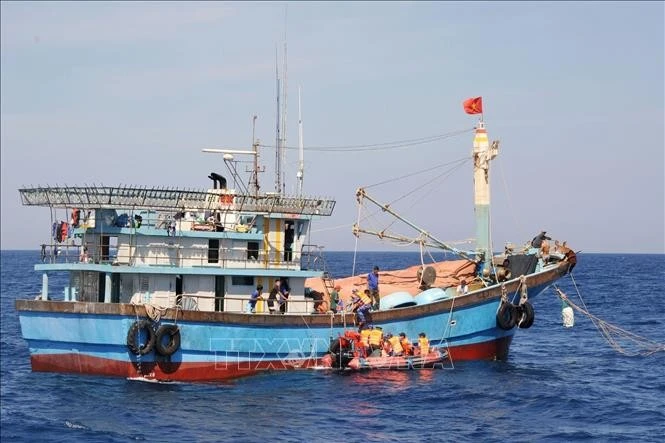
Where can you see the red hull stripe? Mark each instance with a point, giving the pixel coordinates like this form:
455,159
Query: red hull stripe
176,371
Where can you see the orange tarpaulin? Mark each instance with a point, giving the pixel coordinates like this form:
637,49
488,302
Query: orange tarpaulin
448,273
473,105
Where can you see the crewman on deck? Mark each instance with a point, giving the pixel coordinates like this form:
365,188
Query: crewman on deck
273,296
406,344
569,256
362,304
423,343
334,298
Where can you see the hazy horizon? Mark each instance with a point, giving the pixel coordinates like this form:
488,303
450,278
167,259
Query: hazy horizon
130,92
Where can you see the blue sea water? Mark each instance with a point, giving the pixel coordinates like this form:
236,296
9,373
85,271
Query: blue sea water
558,384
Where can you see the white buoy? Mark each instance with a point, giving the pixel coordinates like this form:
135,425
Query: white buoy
568,317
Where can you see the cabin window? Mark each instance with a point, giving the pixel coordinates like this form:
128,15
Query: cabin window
242,280
144,284
213,250
252,250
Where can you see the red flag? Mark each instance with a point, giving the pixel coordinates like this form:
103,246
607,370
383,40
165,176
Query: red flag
473,105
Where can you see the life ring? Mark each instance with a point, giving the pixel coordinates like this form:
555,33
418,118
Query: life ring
525,315
134,341
506,316
173,333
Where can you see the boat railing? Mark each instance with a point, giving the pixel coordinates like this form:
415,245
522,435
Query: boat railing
172,254
209,303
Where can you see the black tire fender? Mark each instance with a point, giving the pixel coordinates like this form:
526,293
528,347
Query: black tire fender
507,316
173,333
527,316
133,337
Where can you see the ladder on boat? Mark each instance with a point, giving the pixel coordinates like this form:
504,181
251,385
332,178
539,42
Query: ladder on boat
328,283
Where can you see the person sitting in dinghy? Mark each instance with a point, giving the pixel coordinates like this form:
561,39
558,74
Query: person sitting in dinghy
406,344
423,344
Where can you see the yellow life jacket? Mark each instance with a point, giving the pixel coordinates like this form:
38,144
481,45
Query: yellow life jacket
397,346
364,336
423,343
375,337
365,298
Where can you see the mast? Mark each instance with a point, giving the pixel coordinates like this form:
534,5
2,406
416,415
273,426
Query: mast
301,149
278,157
482,154
284,108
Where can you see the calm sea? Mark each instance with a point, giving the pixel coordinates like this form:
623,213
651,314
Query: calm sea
558,384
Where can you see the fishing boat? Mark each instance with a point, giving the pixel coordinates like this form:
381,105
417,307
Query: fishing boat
160,280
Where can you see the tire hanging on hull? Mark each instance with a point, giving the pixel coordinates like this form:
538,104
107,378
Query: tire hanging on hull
507,316
134,337
173,333
525,315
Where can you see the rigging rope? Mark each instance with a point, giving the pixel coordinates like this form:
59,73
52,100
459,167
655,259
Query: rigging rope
612,334
384,145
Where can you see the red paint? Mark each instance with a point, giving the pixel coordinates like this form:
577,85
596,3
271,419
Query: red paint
209,372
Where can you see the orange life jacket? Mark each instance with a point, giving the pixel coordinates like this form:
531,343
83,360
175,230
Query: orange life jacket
406,345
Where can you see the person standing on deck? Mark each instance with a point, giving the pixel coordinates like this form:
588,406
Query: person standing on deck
334,298
273,296
284,292
537,241
256,295
361,306
569,256
373,286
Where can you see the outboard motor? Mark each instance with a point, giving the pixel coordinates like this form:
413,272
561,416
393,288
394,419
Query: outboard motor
216,178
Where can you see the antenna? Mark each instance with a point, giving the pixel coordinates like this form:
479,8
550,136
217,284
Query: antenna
255,173
301,149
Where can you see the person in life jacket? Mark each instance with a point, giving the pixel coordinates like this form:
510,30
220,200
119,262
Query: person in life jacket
406,344
395,345
387,349
361,306
423,343
364,341
375,338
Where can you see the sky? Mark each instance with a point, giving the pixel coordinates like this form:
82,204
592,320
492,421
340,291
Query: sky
130,92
